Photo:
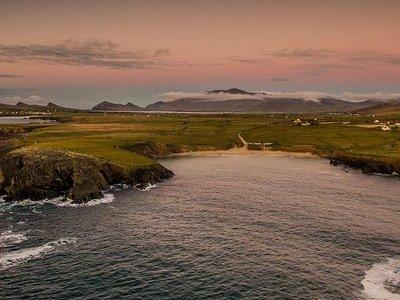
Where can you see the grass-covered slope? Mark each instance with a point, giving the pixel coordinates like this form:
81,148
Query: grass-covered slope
130,142
116,137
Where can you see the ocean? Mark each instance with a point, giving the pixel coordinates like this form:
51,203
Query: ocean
226,227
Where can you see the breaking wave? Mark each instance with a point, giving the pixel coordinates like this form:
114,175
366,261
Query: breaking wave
59,201
146,187
382,281
9,238
108,198
17,257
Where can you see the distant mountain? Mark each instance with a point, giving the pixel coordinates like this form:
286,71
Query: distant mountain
384,108
109,106
234,91
22,106
236,100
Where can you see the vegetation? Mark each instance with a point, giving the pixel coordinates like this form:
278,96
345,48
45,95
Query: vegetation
119,138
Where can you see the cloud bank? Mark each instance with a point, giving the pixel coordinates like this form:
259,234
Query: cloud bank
83,53
204,96
267,95
11,76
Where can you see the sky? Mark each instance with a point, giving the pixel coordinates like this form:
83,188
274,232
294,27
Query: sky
77,53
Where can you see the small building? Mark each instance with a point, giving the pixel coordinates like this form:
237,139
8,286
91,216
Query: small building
386,128
297,122
376,121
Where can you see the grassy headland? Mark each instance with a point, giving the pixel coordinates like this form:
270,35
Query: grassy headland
131,141
112,136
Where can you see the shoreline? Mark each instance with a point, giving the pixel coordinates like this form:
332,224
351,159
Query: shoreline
365,165
241,152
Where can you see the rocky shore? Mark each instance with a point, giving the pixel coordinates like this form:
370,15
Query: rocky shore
39,174
367,164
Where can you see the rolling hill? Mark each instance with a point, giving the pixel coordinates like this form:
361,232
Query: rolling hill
24,107
385,108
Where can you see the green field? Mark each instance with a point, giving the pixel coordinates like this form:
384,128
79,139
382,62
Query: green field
106,135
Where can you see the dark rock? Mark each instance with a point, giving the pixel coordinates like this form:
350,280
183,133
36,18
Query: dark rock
40,174
367,164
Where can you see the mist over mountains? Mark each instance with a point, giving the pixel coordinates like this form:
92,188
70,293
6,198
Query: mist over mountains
237,100
224,100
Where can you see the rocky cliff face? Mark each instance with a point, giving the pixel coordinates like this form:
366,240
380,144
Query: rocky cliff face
40,174
367,164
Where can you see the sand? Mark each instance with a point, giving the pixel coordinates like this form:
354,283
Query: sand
244,151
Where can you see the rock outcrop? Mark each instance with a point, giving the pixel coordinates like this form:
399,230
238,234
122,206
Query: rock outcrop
367,164
39,174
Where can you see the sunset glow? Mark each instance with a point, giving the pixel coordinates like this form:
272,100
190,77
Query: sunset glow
164,46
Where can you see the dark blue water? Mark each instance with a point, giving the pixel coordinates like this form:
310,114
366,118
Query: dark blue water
222,228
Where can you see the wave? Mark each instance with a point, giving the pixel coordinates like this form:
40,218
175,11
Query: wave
6,206
58,201
381,278
108,198
9,238
146,187
17,257
65,202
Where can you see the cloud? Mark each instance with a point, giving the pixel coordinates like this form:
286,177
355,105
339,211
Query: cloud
369,96
279,79
345,59
263,95
161,52
305,95
307,53
249,61
321,68
268,95
23,92
26,95
204,96
82,53
373,57
32,99
11,76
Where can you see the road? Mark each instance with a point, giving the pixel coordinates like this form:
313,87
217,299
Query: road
243,140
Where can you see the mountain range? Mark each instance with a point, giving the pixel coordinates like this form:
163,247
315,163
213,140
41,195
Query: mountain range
236,100
21,106
109,106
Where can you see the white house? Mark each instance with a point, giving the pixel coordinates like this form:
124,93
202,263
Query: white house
297,122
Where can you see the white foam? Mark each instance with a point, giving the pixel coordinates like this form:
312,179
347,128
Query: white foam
381,274
17,257
108,198
119,186
59,201
147,187
9,238
27,202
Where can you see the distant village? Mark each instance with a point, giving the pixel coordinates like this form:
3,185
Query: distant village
384,125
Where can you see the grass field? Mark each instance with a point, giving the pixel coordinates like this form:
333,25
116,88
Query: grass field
104,135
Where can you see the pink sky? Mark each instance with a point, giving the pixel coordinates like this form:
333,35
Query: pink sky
288,44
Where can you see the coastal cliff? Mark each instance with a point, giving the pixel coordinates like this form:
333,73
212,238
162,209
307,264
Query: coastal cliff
366,163
40,173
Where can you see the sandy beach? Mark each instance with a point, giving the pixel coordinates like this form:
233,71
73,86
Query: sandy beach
244,151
